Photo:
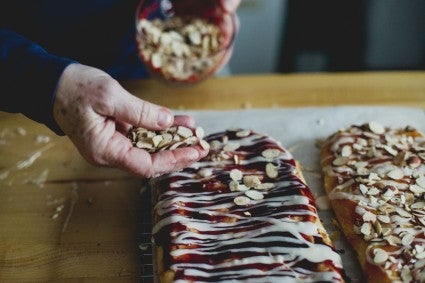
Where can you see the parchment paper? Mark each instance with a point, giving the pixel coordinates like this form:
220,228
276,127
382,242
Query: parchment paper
299,129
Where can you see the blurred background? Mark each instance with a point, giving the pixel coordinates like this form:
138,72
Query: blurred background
320,36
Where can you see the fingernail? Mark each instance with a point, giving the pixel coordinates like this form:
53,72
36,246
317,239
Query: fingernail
164,118
193,155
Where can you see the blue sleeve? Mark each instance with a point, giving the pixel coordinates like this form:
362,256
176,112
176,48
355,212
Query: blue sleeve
28,78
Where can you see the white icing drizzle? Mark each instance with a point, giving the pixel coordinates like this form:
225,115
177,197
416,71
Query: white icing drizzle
272,243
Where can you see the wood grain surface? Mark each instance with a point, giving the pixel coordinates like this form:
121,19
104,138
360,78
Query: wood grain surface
63,220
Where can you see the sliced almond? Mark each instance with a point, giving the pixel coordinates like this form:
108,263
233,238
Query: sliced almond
418,205
376,128
242,200
225,139
406,274
236,159
407,239
369,217
251,181
386,231
233,186
236,175
243,133
380,256
204,144
236,186
231,146
215,144
184,132
396,174
340,161
417,190
191,140
265,186
156,60
271,171
421,182
346,151
242,188
156,140
363,189
403,213
378,227
167,138
200,133
373,191
205,172
420,255
390,150
144,145
176,145
366,229
177,138
384,218
255,195
271,153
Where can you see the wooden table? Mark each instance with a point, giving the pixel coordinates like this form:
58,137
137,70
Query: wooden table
64,220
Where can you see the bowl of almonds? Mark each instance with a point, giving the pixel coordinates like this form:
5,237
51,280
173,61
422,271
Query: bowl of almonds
181,41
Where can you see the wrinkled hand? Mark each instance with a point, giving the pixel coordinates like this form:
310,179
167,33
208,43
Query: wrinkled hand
96,113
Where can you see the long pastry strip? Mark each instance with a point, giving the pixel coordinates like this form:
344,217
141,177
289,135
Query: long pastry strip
374,177
242,214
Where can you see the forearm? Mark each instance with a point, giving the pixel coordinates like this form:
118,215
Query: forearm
28,78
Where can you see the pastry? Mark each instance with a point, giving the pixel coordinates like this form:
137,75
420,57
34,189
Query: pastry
242,214
374,178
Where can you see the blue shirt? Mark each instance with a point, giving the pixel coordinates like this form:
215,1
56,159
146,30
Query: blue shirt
38,39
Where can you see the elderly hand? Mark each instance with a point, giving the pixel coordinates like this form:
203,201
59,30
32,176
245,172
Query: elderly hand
96,113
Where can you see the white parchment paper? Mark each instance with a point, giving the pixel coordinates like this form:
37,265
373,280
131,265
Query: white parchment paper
299,129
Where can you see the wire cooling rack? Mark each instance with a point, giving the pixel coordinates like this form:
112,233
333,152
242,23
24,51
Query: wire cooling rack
146,259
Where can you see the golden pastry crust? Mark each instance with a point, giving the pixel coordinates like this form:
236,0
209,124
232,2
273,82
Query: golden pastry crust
242,213
374,177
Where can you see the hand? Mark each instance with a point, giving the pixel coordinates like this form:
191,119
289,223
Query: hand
230,7
96,113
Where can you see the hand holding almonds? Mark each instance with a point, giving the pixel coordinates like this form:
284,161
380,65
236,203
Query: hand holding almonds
169,139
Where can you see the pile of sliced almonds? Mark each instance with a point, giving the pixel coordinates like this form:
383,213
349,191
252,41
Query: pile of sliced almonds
179,48
170,139
386,176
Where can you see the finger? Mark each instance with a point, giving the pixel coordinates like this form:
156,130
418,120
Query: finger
184,120
174,160
122,127
121,153
230,6
140,113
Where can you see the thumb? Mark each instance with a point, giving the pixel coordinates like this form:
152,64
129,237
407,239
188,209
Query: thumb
230,6
137,112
